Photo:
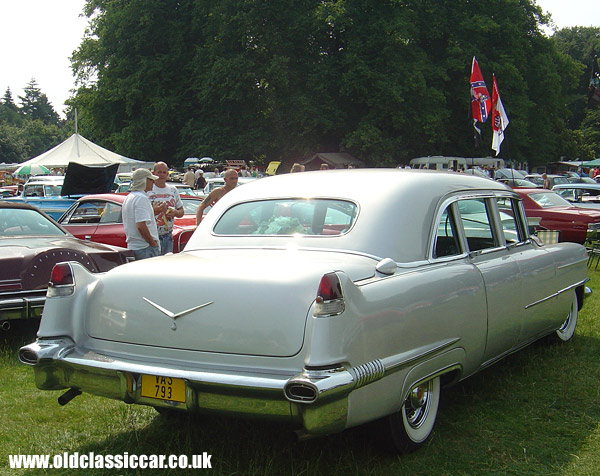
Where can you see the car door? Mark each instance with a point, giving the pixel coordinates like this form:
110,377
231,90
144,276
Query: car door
110,229
83,218
538,273
500,273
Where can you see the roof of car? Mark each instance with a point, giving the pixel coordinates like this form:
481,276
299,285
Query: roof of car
11,204
577,185
399,203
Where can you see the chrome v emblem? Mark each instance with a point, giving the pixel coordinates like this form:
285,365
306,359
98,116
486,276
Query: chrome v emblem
174,316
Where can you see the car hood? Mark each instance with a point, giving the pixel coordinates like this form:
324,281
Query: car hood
253,302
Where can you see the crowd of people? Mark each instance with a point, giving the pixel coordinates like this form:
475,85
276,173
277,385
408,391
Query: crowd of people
152,205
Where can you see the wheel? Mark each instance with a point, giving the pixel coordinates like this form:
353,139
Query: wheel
412,426
566,332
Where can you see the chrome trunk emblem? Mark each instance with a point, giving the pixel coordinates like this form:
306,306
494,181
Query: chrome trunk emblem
174,316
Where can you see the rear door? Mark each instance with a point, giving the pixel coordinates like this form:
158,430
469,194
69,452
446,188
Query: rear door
500,272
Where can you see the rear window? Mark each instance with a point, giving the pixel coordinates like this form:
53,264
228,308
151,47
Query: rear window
288,217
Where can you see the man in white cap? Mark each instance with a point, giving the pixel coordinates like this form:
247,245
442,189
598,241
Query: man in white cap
138,217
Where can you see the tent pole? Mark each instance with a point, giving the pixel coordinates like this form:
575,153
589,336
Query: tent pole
75,120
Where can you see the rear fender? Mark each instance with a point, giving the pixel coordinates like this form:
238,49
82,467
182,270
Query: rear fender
63,315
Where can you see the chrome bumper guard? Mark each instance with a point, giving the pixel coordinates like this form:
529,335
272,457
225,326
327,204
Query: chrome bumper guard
22,307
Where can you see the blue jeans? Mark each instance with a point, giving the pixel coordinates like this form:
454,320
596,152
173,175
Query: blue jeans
166,243
147,252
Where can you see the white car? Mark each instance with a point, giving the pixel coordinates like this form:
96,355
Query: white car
311,299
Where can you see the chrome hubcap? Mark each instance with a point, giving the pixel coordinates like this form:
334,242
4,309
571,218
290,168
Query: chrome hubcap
416,406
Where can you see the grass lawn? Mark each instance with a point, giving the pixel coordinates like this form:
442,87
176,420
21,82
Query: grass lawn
535,413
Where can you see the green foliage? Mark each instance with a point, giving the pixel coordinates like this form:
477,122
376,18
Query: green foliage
30,129
386,81
35,105
12,143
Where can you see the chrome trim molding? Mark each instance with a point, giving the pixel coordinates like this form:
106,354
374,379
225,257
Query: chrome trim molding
557,293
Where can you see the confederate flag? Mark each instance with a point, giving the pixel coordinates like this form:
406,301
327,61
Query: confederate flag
481,102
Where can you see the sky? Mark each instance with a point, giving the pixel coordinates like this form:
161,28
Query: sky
39,36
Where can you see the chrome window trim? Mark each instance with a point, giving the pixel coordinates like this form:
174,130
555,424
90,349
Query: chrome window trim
452,201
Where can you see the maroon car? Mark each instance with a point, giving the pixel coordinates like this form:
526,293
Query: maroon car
31,243
98,218
573,223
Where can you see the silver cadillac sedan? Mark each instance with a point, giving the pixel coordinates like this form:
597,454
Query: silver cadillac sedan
315,300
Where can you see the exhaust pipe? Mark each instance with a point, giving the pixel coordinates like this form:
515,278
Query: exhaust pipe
5,325
68,396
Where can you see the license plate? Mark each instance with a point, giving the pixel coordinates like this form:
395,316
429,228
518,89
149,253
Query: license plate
163,388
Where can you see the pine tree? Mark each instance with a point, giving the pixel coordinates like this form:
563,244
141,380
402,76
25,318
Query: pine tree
35,105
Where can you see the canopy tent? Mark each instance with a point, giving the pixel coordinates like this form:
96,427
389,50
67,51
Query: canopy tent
591,163
82,151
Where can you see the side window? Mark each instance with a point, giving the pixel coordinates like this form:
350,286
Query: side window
87,212
111,214
34,191
509,219
446,242
476,221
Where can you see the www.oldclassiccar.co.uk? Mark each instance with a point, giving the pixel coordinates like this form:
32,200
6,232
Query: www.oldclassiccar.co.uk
100,461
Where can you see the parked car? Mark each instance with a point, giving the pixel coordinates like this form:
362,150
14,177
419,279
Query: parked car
184,189
98,218
508,174
584,195
517,183
574,177
310,299
31,243
217,182
554,179
573,223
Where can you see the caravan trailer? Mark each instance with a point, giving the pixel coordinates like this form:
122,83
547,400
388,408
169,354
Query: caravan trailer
439,162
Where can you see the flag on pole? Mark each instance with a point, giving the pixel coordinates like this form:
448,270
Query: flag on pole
499,118
594,88
481,102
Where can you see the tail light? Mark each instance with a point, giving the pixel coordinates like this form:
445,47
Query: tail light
61,282
330,299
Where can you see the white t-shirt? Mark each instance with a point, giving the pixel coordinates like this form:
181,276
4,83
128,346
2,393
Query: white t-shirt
170,195
138,208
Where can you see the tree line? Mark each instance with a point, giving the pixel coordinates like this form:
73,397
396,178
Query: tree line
29,128
384,80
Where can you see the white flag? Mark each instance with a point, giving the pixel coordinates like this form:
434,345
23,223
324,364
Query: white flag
499,119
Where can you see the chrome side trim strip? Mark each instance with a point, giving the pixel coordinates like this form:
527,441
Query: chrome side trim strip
558,293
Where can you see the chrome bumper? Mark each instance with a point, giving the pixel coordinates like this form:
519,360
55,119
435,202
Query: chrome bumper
60,364
315,400
24,307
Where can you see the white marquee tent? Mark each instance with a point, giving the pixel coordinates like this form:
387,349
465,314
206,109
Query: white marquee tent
80,150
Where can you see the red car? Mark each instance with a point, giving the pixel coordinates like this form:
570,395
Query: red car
574,223
98,218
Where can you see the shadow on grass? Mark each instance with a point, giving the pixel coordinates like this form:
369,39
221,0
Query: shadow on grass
21,332
529,414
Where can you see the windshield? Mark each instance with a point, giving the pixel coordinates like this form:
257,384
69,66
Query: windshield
19,221
288,217
549,200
